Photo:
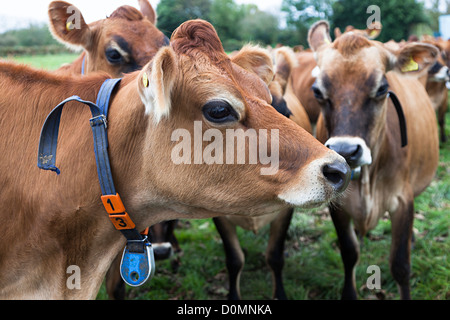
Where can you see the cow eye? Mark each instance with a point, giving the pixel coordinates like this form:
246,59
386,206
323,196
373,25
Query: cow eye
219,111
317,92
382,90
113,55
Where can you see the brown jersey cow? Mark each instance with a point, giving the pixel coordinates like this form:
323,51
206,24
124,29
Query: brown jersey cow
122,43
435,84
190,89
360,122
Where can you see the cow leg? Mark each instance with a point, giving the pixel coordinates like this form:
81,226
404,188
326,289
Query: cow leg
233,254
175,262
275,251
349,250
115,286
400,257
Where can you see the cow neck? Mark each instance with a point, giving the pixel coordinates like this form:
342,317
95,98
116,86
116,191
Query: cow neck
138,260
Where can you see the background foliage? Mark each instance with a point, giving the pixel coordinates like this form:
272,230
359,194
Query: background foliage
237,24
398,17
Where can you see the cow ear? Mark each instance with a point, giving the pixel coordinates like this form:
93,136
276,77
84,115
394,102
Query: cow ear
148,11
256,60
319,35
198,36
285,62
414,58
156,82
337,32
68,26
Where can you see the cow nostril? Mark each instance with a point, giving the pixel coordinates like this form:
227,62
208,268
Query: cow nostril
332,176
351,152
357,153
338,174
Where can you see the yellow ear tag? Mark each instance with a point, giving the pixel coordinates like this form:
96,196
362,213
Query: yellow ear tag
373,33
145,79
69,26
410,66
326,40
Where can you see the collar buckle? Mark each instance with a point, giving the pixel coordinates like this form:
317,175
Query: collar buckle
98,121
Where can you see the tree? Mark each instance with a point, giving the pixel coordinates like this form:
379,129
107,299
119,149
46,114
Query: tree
172,13
258,26
434,13
397,17
33,35
225,16
301,14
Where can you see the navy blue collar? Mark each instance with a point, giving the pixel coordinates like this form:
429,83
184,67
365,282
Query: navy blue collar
401,118
138,260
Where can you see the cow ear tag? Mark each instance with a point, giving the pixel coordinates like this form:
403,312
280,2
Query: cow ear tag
145,80
69,26
410,66
137,267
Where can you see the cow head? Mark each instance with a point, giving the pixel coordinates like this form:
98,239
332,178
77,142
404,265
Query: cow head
445,45
121,43
371,32
198,96
352,87
439,72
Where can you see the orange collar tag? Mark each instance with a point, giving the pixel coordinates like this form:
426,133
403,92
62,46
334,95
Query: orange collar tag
117,214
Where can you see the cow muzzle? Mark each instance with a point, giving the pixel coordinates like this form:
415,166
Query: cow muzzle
162,250
319,182
442,75
353,149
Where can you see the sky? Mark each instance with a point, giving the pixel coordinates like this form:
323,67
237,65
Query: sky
14,14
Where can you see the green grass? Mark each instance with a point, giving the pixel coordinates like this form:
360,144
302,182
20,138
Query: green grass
49,62
313,267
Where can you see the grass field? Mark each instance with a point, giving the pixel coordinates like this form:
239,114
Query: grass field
49,62
313,268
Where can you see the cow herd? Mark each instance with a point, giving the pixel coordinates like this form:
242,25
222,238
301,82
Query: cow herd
352,123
